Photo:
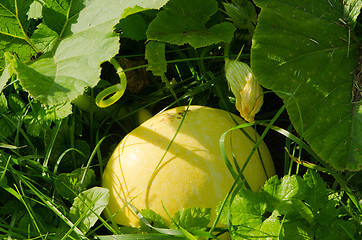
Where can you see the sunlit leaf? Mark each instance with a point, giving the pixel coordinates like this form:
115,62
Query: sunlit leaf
151,216
352,9
57,14
87,205
14,24
191,218
44,38
85,40
35,10
4,78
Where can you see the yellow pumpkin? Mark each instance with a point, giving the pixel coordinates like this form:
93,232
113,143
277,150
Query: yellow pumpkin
148,172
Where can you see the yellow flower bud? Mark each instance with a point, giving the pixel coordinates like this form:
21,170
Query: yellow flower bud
245,87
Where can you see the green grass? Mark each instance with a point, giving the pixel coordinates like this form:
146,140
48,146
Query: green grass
33,208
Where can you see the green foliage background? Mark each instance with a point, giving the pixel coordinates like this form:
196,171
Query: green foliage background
306,52
56,58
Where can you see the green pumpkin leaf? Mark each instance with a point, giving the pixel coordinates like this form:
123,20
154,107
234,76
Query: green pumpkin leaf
133,26
291,208
270,228
247,210
153,218
317,194
242,13
4,78
57,14
40,117
78,37
191,218
35,10
44,38
87,205
302,50
68,185
13,27
184,21
155,55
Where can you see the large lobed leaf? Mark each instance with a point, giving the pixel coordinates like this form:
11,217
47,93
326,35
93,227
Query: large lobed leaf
13,27
81,37
185,21
303,51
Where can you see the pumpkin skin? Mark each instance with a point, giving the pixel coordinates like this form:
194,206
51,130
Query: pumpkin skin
192,173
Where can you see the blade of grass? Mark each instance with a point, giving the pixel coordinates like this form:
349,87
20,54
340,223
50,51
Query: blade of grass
30,210
4,171
17,194
72,137
20,130
56,166
51,144
49,203
81,217
305,163
288,164
221,96
150,236
166,231
227,161
90,161
168,85
12,233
